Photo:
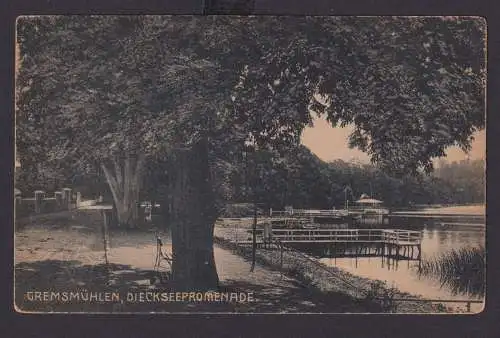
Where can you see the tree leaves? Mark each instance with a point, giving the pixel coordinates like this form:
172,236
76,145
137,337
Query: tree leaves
412,86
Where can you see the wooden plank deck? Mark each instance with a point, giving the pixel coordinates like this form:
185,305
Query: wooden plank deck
391,243
362,236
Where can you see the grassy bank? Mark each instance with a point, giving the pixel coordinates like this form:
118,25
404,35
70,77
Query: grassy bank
368,295
462,271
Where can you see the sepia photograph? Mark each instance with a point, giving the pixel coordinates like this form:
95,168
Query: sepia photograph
250,164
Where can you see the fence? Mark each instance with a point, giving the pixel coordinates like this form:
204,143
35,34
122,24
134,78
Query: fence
387,236
61,200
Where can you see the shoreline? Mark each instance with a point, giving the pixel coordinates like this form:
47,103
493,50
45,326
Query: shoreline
327,280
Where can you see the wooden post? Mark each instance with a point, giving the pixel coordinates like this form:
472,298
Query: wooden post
254,236
17,205
67,198
149,213
59,199
39,197
281,260
17,200
78,199
268,233
105,215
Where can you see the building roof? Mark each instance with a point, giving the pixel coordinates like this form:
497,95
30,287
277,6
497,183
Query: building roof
368,201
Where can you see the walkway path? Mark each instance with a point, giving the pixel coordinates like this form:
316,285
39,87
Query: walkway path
66,252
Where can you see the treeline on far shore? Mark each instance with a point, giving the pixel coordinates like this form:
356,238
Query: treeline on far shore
302,180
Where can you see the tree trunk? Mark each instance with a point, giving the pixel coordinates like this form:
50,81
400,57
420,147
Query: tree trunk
124,183
193,215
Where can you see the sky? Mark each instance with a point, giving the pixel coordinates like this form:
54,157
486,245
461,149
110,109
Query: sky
330,143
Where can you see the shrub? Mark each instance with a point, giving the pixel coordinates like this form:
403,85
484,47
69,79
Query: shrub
463,270
240,210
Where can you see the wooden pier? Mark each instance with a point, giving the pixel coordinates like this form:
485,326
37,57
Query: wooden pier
394,243
469,219
362,217
308,213
310,217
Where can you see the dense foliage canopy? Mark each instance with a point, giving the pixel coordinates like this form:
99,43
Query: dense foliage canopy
411,86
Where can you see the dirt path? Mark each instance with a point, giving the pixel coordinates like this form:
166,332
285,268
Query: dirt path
66,253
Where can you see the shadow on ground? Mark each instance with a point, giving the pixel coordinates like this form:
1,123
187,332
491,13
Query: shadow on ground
80,275
89,224
70,276
297,298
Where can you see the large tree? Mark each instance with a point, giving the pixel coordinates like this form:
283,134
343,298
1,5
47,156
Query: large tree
99,98
195,91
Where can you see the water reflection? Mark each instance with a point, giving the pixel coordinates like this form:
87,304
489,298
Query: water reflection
404,275
450,238
443,237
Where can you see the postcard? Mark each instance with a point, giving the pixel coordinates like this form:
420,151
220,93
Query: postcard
250,164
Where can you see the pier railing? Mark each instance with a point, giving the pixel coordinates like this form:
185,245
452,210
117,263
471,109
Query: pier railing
442,218
308,213
388,236
401,236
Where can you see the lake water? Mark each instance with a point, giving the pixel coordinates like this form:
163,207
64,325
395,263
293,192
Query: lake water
404,275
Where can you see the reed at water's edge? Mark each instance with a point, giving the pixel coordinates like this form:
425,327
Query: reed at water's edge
462,271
